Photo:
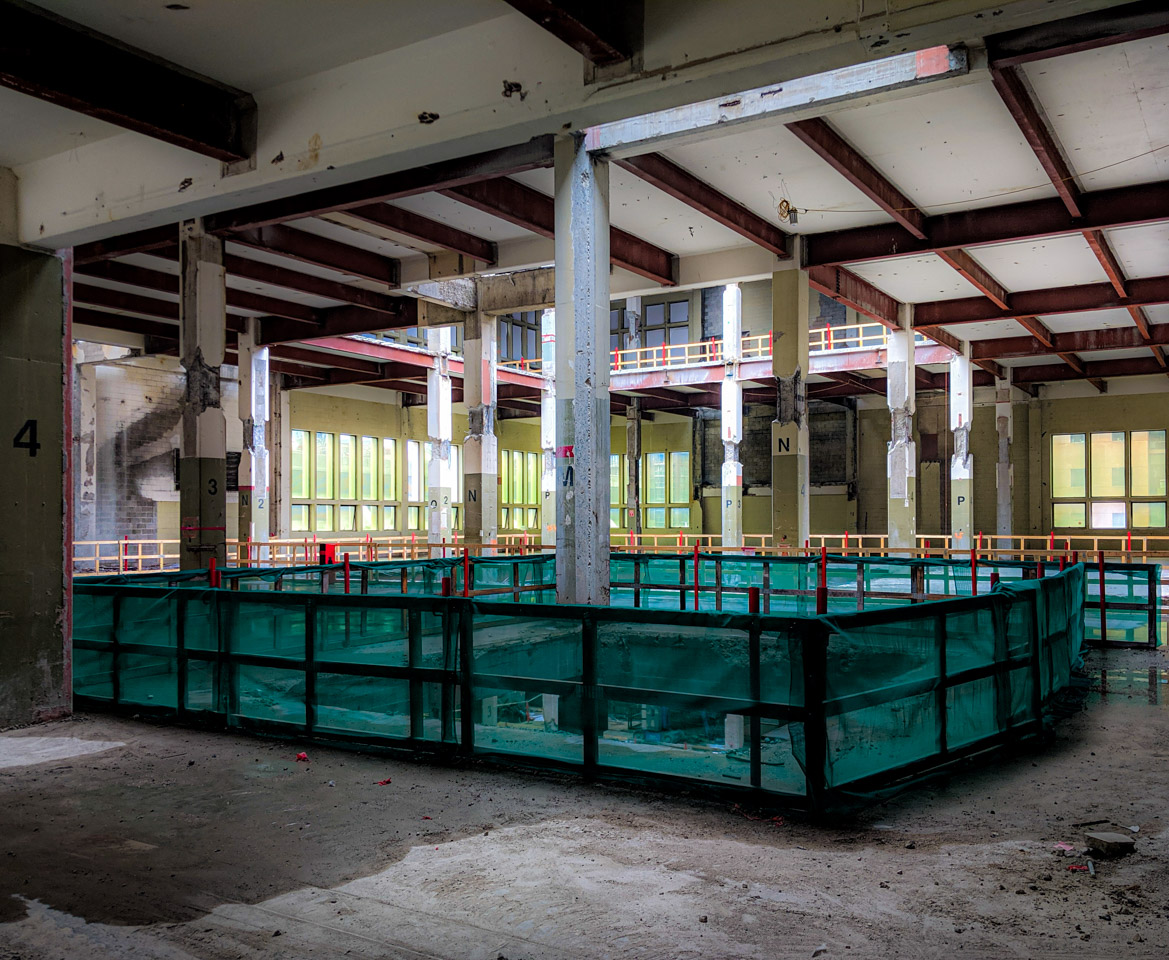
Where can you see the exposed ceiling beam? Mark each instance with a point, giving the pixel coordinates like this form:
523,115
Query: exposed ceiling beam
460,171
118,321
667,176
847,161
418,227
340,322
518,203
140,241
320,251
846,287
1131,21
1110,338
1116,207
1037,328
1111,266
977,275
862,384
1093,370
54,59
604,32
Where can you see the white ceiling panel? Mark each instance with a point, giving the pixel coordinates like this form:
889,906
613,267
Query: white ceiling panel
1142,251
1040,264
355,236
915,279
1158,313
1088,320
1038,361
951,149
456,214
1110,108
1137,354
990,330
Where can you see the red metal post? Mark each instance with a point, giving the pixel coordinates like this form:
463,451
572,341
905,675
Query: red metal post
846,541
1128,541
696,576
346,562
446,586
752,599
1075,556
822,582
212,573
973,572
1039,572
466,573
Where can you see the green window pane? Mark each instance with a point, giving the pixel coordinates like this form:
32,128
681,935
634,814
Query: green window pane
533,461
1068,464
1148,514
614,517
390,518
615,479
505,476
347,488
679,516
655,480
1107,465
517,477
533,518
655,517
1069,515
413,518
413,471
679,479
299,516
324,517
389,469
369,469
1148,465
324,469
505,518
1108,514
368,516
300,466
348,518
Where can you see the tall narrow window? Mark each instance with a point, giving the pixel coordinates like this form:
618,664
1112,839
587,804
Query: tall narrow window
505,479
517,477
1068,465
655,478
456,475
324,470
347,485
300,468
389,469
533,479
413,471
1148,464
369,470
1107,465
680,476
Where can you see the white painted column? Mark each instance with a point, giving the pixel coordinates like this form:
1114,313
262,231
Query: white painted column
438,432
962,461
582,373
790,506
1004,471
254,413
900,394
548,429
203,460
732,418
480,448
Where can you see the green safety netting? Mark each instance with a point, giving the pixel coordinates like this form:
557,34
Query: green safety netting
802,707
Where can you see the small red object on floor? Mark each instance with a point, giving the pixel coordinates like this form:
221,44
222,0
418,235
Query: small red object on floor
428,818
382,783
302,758
1078,867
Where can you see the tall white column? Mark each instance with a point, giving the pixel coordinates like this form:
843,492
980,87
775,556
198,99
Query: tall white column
438,431
962,461
203,456
900,394
582,373
1004,472
790,506
732,418
480,448
254,413
548,429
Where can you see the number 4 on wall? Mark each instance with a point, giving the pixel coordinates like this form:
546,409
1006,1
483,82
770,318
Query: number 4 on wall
26,438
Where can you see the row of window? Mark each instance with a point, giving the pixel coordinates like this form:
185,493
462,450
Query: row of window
1112,480
665,481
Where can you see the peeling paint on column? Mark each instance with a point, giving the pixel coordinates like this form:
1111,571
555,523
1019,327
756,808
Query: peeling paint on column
902,451
480,448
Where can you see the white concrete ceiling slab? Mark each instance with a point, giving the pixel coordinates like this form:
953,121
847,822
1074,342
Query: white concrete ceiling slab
1063,261
354,236
459,215
1159,313
1110,108
916,279
1090,320
1136,354
1043,360
299,266
31,129
1142,251
952,149
990,330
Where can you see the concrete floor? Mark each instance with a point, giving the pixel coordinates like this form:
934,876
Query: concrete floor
165,843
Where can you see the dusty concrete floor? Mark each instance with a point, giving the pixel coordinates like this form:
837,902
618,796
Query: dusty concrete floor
184,845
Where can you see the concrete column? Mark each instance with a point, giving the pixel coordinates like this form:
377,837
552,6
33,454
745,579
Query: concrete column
962,461
203,459
732,418
1004,472
633,465
35,509
582,373
900,394
633,318
254,413
85,452
279,459
790,508
438,432
548,429
480,449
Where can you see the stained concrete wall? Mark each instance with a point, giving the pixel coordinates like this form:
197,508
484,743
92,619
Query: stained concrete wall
35,615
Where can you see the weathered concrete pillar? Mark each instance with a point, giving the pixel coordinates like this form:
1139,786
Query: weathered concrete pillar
35,564
962,461
438,432
732,418
480,449
633,319
254,413
1004,472
790,508
548,429
900,394
582,373
279,458
203,459
633,465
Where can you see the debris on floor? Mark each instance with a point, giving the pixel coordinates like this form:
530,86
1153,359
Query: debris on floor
1107,844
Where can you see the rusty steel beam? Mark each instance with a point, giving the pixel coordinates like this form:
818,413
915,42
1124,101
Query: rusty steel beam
54,59
976,275
320,251
1037,328
418,227
847,161
1116,207
518,203
604,32
847,288
340,322
140,241
1088,31
1103,251
1082,341
1093,370
537,152
681,184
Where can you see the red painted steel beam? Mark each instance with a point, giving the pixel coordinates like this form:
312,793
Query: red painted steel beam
1081,341
860,383
1093,370
54,59
418,227
847,288
339,322
1037,328
141,241
604,32
681,184
320,251
847,161
319,358
117,321
977,275
460,171
518,203
1103,209
1088,31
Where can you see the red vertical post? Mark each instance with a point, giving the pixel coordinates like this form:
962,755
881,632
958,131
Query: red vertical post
346,563
846,541
1061,563
1103,606
446,586
752,599
696,576
466,573
212,573
1128,541
973,572
822,582
1039,572
994,579
1075,556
